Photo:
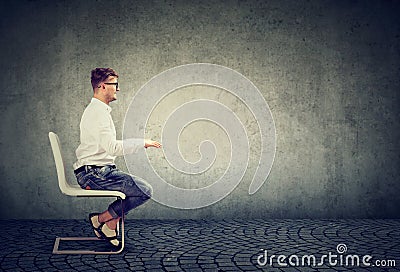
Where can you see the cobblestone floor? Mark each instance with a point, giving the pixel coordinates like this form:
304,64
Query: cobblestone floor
189,245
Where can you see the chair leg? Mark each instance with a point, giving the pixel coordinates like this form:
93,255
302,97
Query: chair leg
122,232
59,239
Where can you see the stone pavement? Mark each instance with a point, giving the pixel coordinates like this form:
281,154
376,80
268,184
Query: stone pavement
205,245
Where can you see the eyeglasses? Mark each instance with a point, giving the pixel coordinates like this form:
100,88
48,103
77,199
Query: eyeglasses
116,84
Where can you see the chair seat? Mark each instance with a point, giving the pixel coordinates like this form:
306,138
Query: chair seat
76,190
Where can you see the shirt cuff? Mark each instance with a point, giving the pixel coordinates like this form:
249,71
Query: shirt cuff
132,145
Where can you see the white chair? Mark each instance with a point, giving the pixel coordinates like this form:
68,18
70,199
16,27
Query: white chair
75,190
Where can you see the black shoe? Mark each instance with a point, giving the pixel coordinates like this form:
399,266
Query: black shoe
96,225
110,235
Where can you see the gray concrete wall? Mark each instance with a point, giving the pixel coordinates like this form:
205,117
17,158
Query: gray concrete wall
329,71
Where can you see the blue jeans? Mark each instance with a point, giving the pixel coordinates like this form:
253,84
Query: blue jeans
137,190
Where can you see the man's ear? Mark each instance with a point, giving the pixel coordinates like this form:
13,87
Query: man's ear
101,88
98,89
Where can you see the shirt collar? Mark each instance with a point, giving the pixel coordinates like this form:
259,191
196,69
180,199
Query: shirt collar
101,104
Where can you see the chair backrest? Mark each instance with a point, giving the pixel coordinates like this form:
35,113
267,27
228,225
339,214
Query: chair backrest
56,147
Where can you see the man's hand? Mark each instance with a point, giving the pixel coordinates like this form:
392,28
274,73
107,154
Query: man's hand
151,143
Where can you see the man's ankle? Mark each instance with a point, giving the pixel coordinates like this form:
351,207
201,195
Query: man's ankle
104,217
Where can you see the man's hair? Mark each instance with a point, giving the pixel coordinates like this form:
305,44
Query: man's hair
101,74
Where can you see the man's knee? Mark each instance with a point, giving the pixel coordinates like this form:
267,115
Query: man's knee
147,190
144,187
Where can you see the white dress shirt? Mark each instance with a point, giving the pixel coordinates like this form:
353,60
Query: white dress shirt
99,145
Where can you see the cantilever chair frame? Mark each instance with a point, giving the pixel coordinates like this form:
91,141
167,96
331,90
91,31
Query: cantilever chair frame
74,190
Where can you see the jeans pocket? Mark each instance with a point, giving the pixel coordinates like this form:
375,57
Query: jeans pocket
80,178
84,178
88,180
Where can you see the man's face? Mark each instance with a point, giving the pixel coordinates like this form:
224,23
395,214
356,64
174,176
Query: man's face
111,88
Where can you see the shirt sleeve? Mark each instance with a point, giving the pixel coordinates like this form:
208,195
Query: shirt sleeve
114,147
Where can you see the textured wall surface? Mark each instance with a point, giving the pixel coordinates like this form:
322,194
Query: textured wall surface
329,71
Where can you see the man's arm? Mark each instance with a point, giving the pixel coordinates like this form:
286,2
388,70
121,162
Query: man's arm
116,147
113,146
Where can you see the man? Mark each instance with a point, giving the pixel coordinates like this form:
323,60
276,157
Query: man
95,168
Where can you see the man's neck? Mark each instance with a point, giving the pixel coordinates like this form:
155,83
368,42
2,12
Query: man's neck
102,99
